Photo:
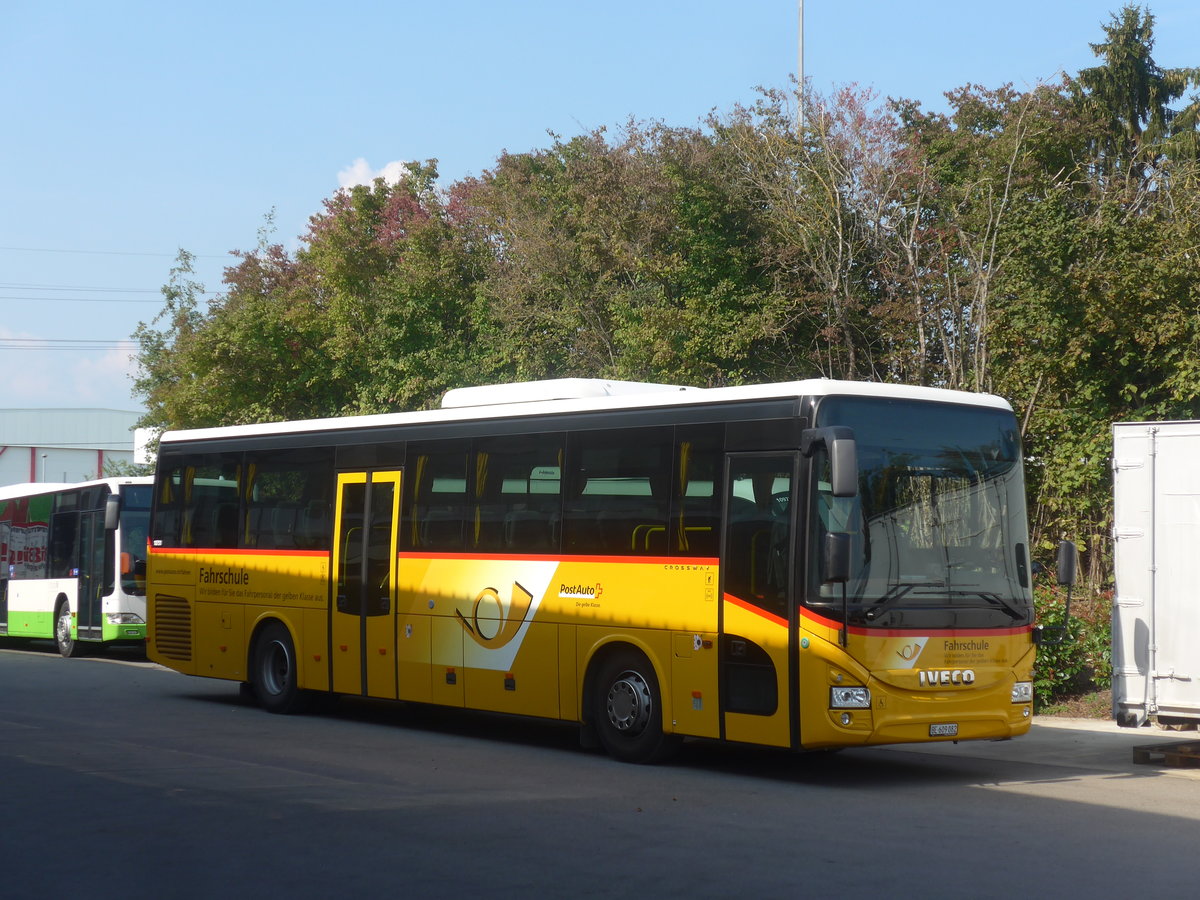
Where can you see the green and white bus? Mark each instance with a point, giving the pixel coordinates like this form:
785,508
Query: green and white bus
73,562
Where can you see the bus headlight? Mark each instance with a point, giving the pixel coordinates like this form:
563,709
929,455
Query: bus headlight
125,619
849,698
1022,692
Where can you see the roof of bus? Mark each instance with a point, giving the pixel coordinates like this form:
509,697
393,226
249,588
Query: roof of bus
36,488
660,396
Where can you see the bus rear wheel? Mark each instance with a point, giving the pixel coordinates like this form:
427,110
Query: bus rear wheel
627,710
273,671
67,645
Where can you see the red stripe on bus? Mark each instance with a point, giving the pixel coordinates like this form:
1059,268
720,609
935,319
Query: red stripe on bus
680,561
817,619
944,632
218,551
758,611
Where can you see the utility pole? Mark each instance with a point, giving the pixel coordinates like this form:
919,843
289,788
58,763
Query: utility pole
800,76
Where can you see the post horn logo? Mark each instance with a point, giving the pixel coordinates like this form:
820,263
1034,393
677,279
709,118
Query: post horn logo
498,625
909,652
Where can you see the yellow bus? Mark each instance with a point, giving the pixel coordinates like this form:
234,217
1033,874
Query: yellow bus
816,564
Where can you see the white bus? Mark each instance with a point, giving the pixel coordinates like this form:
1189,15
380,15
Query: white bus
73,562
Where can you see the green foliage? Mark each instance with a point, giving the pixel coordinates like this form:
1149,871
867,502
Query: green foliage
166,376
1082,659
119,468
632,257
376,312
1131,95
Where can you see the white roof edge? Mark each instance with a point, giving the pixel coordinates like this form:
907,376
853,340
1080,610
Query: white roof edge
551,389
36,488
672,396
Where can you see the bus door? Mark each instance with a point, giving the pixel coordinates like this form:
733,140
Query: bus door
758,612
363,632
92,575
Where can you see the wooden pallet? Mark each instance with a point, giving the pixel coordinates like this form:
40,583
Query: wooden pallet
1181,755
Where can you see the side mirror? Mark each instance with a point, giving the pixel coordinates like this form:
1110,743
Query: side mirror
112,512
835,558
1068,562
835,569
843,456
843,465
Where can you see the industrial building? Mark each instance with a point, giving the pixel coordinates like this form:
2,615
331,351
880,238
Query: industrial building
63,445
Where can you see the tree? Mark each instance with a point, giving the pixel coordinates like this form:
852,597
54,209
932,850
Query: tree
377,312
393,271
630,258
166,377
829,204
1131,94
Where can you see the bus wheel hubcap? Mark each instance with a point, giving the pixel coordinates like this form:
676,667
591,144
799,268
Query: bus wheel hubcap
277,668
629,703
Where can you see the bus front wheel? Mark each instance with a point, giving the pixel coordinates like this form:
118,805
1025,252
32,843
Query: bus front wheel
627,710
67,645
273,672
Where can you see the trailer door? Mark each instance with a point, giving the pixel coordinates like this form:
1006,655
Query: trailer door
1156,530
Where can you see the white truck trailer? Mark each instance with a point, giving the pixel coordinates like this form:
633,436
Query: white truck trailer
1156,541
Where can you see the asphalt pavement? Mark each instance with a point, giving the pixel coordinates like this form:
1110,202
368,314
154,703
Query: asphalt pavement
1099,745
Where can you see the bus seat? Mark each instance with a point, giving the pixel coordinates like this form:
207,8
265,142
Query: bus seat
312,525
283,525
225,530
530,530
441,529
485,527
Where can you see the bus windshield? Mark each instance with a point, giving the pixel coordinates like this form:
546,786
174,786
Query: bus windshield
135,526
937,532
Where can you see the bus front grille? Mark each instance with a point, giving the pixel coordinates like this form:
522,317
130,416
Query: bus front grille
173,627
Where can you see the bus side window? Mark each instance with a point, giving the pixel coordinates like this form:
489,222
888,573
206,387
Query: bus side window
696,486
516,494
198,503
758,550
64,551
619,488
288,498
215,517
436,506
167,521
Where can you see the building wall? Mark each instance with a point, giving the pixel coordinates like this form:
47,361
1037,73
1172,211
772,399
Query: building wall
63,444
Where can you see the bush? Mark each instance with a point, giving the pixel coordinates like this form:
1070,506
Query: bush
1082,661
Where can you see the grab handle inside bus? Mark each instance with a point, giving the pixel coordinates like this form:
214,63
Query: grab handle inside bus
838,441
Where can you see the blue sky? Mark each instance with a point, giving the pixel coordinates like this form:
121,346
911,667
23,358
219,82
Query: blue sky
131,129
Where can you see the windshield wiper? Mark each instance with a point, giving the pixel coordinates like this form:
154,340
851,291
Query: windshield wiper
894,593
995,599
898,591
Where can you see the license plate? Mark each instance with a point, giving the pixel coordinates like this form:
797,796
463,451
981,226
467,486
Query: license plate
949,729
